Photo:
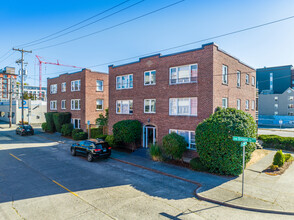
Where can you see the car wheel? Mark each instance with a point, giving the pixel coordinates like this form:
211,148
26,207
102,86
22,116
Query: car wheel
90,157
73,152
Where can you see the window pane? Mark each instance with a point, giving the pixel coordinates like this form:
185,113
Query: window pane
184,75
153,77
173,75
99,104
173,106
99,85
153,105
125,107
147,106
193,106
124,82
183,106
130,81
131,106
118,106
184,134
194,73
118,82
147,78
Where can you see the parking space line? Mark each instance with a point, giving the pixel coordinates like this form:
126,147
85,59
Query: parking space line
15,157
65,188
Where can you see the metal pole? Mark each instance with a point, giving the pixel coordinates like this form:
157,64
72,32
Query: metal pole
243,168
10,102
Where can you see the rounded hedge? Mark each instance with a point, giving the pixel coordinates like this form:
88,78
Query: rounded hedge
44,126
127,132
110,140
80,136
279,158
174,145
216,149
66,129
76,130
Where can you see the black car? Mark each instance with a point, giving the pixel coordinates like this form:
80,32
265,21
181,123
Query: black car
91,149
24,130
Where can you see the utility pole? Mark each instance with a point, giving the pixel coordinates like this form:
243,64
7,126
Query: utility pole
22,81
10,102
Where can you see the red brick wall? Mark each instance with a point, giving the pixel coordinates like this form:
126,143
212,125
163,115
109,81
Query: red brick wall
87,94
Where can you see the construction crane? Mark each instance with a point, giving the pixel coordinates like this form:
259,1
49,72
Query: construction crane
46,62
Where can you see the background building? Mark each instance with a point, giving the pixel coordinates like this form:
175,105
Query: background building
84,94
173,93
7,76
33,91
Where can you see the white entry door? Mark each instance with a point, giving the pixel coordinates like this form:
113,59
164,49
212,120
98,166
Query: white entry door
149,135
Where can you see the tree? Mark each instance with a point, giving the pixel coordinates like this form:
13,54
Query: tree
103,120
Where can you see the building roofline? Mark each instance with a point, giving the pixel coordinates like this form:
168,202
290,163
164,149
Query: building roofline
275,67
83,70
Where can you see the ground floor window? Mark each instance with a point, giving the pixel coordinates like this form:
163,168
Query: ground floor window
53,105
124,107
99,104
76,122
188,135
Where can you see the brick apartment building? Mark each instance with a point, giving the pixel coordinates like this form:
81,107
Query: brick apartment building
7,76
173,93
84,94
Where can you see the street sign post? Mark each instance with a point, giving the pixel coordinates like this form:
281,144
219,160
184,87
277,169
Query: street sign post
88,123
243,141
280,122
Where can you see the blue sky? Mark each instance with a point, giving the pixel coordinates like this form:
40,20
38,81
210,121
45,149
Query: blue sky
25,21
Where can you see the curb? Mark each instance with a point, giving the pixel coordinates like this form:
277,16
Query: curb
204,198
268,129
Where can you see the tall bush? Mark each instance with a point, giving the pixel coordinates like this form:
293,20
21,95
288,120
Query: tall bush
61,118
96,132
50,122
127,132
44,126
216,149
174,145
279,158
66,129
110,140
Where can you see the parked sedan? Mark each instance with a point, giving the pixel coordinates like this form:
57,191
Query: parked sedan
24,130
91,149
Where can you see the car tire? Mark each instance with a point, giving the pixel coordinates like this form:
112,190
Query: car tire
73,152
90,157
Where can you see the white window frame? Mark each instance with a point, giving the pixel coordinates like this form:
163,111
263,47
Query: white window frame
63,106
247,104
247,81
73,85
226,103
225,74
53,105
238,104
63,87
72,104
177,73
99,88
149,103
119,102
53,89
252,80
149,83
130,83
102,104
238,79
252,105
73,122
177,107
190,137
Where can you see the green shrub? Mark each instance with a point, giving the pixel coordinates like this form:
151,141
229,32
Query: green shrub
288,157
110,140
277,142
127,132
67,129
216,149
80,136
155,152
102,136
279,158
274,167
44,126
77,130
61,118
174,145
196,164
50,122
95,132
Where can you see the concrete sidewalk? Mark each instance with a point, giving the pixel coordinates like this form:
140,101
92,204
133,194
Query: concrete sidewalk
262,191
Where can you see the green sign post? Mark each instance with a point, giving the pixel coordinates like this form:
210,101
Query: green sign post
243,141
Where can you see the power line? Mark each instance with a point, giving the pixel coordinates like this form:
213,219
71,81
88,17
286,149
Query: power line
100,13
7,57
111,27
5,54
107,16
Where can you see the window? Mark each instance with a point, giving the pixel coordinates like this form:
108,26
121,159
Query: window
247,79
63,87
53,105
276,113
75,104
150,78
238,104
225,74
276,106
290,98
99,104
183,74
76,122
247,104
276,98
124,82
189,137
183,106
124,107
252,105
99,85
291,106
63,104
252,80
238,79
290,113
225,102
53,88
149,105
76,85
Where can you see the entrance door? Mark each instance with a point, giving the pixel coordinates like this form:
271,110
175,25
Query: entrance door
149,135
